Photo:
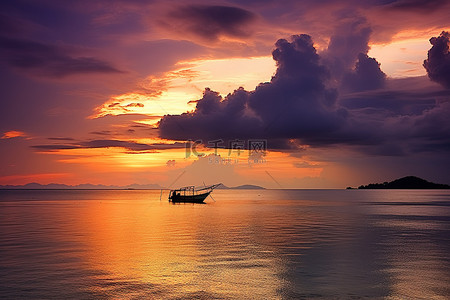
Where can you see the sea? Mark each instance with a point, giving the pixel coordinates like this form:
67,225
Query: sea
241,244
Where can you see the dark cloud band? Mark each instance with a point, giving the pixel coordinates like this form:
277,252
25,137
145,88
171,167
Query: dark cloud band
50,60
301,106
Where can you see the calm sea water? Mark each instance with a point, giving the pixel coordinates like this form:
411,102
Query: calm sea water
249,244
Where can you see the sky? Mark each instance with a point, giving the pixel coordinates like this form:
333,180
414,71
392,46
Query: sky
282,94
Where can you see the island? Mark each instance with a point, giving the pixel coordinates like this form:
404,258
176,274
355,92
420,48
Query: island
408,182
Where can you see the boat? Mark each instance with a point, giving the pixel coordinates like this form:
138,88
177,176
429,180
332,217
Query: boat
190,194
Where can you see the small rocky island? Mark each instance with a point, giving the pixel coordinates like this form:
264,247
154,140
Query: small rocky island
408,182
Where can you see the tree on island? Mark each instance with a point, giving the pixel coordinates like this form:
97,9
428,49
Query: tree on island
408,182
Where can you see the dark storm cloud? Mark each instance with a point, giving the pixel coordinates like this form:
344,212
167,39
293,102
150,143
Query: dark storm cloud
210,22
295,104
349,39
366,76
399,122
438,62
132,146
298,107
434,127
214,117
347,58
391,102
49,60
405,134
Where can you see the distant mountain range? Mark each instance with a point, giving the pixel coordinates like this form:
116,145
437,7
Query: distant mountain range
408,182
242,187
88,186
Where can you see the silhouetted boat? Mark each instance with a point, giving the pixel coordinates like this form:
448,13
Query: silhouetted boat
190,194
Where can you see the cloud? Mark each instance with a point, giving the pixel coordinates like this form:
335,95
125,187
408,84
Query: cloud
438,62
366,76
212,21
171,163
349,39
433,127
398,123
417,5
295,104
306,165
11,24
300,107
50,60
390,102
213,118
346,55
116,143
12,134
61,139
93,144
102,132
54,147
206,169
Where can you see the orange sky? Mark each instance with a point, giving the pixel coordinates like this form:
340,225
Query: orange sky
84,93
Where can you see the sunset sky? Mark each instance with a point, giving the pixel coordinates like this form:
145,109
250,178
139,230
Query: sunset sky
338,93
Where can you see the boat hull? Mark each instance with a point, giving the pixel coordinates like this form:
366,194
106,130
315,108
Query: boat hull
189,198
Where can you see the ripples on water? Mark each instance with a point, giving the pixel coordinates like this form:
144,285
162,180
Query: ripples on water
260,244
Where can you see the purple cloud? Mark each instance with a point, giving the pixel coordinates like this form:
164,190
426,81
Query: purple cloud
211,22
349,39
417,5
295,104
299,106
346,55
438,62
214,117
366,76
60,138
49,60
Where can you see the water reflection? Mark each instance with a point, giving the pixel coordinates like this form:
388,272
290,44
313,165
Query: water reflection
252,244
188,249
